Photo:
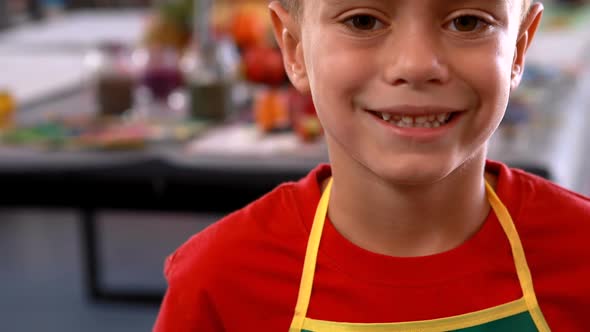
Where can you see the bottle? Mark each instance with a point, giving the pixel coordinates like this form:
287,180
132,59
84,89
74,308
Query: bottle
210,68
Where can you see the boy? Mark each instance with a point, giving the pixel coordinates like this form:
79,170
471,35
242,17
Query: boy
416,230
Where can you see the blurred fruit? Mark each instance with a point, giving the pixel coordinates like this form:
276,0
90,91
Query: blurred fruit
264,65
249,28
165,31
221,16
7,109
308,128
270,110
304,119
301,103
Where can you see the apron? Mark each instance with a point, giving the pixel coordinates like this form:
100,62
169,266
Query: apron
523,315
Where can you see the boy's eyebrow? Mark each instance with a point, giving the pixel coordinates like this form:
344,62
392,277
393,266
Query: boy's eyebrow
498,8
337,2
495,2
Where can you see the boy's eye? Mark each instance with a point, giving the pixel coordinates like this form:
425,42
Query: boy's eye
467,23
364,22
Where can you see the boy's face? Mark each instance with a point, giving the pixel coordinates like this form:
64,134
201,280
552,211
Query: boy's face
412,61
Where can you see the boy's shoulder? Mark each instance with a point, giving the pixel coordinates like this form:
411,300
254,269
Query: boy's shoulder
552,222
275,220
554,226
539,203
545,200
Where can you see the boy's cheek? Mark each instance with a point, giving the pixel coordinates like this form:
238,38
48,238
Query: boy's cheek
488,68
342,72
493,91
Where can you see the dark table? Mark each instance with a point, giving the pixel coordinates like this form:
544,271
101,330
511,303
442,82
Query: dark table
143,181
158,178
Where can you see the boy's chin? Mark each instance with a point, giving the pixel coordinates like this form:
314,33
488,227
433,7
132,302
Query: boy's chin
407,173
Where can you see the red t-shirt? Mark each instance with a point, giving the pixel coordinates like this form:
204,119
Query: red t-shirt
243,272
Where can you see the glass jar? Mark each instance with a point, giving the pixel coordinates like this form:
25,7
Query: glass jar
113,78
210,73
210,68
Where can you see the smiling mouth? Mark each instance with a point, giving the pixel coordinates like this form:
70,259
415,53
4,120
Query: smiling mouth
416,121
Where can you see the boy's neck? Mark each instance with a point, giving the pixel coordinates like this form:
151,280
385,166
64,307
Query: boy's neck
410,222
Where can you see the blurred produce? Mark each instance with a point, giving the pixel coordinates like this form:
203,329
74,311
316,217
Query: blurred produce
264,65
7,110
90,133
249,26
247,23
197,52
170,26
271,111
280,109
304,117
160,71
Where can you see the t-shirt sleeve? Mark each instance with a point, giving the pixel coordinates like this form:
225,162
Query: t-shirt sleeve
186,306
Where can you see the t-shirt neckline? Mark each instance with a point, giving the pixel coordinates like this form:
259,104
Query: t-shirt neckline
462,261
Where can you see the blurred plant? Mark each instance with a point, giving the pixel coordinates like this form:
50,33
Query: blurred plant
170,25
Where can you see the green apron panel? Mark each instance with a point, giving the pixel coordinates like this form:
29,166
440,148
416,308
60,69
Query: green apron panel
522,323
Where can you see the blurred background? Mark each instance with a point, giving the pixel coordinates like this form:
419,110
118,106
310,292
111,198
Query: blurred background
126,126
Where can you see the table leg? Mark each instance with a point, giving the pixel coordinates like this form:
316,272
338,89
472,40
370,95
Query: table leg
93,267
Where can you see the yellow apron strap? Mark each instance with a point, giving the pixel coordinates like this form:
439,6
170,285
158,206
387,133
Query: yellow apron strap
522,268
309,264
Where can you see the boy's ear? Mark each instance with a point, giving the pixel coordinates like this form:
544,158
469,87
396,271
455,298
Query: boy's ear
528,29
287,31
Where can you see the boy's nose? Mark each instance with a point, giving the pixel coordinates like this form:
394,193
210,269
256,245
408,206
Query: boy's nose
415,61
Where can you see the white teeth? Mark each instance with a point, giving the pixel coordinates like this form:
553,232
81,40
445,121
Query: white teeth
424,121
408,119
421,119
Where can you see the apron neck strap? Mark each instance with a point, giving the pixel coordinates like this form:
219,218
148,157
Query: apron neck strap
522,268
311,254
